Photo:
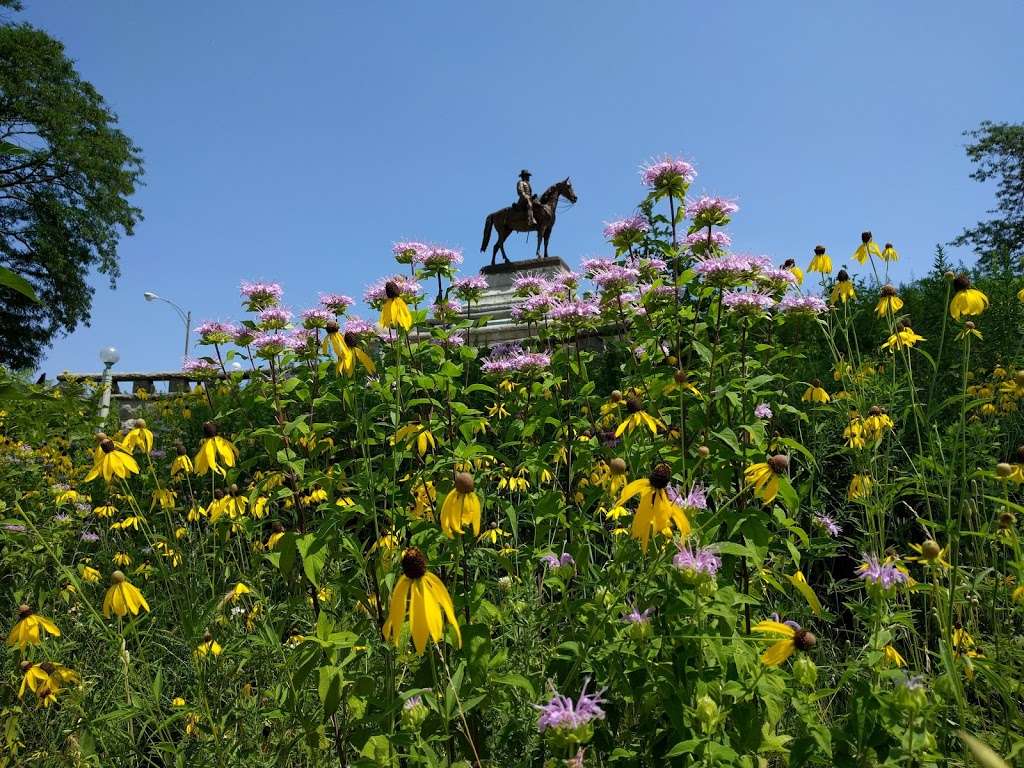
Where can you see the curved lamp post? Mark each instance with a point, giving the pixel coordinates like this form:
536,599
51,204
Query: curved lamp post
186,316
108,356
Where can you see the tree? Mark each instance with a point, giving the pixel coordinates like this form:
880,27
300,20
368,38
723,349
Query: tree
998,153
66,176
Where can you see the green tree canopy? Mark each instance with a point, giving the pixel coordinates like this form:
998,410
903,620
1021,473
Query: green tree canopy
998,153
66,176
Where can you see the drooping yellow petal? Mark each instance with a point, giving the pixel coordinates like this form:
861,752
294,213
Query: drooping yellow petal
775,628
418,617
396,611
632,489
798,581
778,653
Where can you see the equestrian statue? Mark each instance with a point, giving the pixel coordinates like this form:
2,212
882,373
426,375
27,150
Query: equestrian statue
528,214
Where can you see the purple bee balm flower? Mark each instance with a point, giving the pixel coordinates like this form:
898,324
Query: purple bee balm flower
726,271
831,526
591,267
528,285
412,702
574,312
802,305
637,617
616,279
566,280
552,560
661,173
60,517
470,288
199,367
451,341
711,210
510,358
215,332
883,574
776,279
14,528
564,714
89,537
359,327
274,318
338,303
243,336
763,411
440,258
701,561
748,302
701,242
627,230
316,318
260,295
408,288
409,251
534,308
271,343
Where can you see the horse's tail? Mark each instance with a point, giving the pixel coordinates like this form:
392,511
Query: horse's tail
487,232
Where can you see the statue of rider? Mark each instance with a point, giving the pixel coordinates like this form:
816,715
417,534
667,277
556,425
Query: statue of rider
525,193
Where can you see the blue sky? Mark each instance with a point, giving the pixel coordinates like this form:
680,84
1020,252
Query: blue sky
297,141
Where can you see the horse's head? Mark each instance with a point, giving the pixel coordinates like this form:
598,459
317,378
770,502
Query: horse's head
565,188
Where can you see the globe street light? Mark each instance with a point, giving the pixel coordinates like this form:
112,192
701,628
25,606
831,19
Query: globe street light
186,317
108,356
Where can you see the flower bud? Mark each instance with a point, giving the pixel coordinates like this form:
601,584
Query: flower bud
930,549
1004,470
703,451
707,712
616,396
617,466
779,463
464,482
805,672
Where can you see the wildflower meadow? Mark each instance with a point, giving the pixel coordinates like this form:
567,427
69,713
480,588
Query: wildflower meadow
714,509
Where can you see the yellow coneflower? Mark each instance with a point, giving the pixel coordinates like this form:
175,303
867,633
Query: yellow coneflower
30,628
212,448
182,464
70,496
90,575
386,547
196,513
418,434
164,497
794,638
867,248
877,424
276,534
236,592
335,341
656,512
122,559
843,289
790,264
821,261
638,417
893,657
967,300
424,499
461,507
259,508
138,437
209,647
889,253
358,355
112,461
815,393
853,433
177,701
395,312
493,534
105,510
46,680
681,380
497,410
903,338
422,597
889,303
514,481
123,597
929,554
764,477
616,477
130,522
860,486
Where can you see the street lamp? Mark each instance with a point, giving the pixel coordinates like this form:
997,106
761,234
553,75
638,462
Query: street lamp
108,356
186,317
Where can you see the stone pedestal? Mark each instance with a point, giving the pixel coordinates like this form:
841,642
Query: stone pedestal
497,301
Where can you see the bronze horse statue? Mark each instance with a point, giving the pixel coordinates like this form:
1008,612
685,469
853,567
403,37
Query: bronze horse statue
514,219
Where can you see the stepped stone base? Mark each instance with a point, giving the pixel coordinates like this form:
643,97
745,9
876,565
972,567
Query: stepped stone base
496,302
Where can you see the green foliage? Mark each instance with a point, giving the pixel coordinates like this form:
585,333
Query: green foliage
661,487
66,175
998,153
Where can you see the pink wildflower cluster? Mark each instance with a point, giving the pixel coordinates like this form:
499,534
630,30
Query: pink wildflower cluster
511,358
562,713
667,169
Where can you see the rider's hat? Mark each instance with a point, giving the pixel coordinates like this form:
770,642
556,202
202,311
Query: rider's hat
524,174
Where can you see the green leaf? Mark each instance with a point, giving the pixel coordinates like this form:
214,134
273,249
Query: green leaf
10,150
516,681
329,690
16,282
314,556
